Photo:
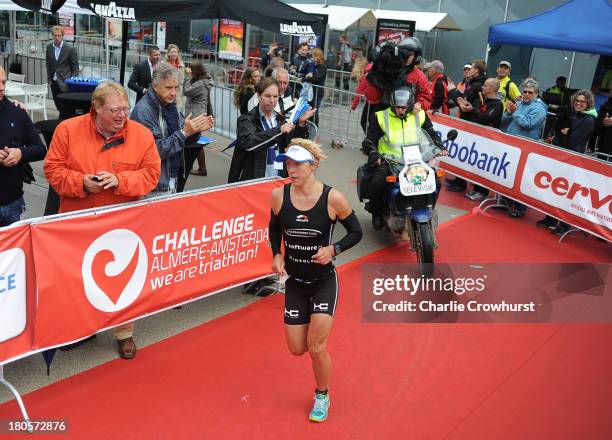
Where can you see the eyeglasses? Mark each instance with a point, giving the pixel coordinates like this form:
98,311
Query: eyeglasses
528,92
116,111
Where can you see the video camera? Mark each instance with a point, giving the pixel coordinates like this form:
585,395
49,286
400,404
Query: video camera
277,52
388,68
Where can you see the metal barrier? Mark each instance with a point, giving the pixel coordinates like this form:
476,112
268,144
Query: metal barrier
335,117
225,112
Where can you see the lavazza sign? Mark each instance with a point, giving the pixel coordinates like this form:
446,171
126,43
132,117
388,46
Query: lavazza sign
295,29
113,11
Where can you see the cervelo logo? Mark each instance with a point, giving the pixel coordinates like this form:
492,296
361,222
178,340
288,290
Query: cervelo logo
113,11
295,29
13,316
575,190
484,157
114,270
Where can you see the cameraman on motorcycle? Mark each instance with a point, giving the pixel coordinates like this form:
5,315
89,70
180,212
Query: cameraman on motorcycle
389,130
394,65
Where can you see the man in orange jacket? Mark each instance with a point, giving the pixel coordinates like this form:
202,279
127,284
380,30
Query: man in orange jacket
103,158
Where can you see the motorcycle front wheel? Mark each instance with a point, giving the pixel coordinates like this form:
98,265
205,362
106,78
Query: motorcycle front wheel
424,247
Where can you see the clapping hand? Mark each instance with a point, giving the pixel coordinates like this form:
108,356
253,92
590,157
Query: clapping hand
464,104
196,125
511,106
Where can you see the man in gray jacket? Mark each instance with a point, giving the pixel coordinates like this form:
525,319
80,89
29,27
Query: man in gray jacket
158,112
62,63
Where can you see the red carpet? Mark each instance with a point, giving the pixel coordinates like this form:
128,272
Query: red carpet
233,377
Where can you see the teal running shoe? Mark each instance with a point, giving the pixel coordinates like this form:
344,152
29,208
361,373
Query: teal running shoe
320,408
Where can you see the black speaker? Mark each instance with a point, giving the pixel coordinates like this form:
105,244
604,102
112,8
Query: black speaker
178,32
74,104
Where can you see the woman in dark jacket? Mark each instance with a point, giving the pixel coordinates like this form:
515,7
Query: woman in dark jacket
573,134
317,79
246,89
262,134
196,88
575,131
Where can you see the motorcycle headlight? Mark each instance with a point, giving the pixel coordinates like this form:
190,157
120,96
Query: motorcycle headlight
416,174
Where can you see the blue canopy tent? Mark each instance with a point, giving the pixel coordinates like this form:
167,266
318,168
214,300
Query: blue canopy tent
578,25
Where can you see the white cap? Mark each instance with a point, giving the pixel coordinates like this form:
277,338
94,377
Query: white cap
296,153
505,63
467,66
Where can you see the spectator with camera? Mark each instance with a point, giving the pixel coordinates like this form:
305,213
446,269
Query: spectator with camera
274,50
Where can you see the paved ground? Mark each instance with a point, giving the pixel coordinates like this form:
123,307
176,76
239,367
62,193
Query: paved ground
338,170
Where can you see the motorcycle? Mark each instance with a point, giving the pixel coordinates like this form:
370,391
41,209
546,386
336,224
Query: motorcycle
410,197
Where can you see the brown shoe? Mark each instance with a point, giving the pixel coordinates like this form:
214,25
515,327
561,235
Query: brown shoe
127,348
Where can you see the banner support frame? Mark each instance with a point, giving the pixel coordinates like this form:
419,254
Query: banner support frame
13,390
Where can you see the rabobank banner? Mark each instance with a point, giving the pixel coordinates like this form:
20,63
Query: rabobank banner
125,262
482,156
572,187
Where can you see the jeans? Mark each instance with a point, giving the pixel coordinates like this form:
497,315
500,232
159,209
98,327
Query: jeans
171,189
12,212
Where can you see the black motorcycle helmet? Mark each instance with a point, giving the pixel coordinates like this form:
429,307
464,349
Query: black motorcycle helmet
403,96
410,44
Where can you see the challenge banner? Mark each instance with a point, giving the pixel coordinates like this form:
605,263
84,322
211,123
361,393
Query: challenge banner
569,186
114,266
17,291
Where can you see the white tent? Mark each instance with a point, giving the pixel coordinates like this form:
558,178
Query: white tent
342,17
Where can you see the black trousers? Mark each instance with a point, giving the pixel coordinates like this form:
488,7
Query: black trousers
191,154
318,94
55,90
346,67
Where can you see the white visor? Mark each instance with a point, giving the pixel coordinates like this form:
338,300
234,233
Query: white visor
296,153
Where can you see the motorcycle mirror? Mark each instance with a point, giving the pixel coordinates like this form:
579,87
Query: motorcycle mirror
452,135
